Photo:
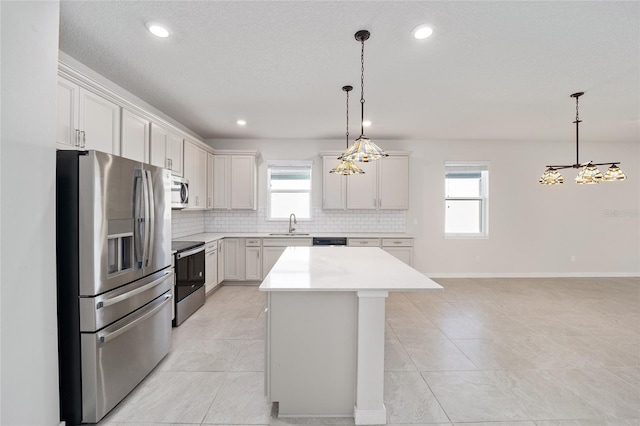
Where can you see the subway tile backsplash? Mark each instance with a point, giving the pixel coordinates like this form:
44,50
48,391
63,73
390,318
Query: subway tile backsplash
191,222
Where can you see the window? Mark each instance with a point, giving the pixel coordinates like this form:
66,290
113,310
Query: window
466,199
289,189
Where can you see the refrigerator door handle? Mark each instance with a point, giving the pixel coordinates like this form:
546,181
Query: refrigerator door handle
145,199
138,189
151,218
105,337
127,295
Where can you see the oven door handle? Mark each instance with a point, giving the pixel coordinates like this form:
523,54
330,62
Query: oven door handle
105,337
190,252
127,295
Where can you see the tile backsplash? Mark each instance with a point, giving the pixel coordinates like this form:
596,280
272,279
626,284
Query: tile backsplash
192,222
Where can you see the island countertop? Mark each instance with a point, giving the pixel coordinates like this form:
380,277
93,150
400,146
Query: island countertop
343,269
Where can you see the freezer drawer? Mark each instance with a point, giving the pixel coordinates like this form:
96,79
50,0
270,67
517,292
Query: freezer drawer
117,358
100,311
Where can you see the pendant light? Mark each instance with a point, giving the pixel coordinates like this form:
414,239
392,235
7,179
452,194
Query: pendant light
347,167
588,173
362,149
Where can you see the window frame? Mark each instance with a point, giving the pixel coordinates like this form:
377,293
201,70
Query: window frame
461,167
289,164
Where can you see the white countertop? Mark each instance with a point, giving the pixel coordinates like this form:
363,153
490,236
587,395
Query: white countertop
207,237
343,269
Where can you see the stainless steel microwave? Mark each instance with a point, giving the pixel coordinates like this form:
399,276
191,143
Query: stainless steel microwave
179,192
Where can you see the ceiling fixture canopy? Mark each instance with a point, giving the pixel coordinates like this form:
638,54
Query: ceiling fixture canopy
588,172
363,149
347,167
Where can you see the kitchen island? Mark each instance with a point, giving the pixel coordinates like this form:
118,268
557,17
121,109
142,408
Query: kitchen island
325,330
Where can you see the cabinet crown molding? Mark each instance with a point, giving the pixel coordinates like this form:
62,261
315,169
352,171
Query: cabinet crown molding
256,153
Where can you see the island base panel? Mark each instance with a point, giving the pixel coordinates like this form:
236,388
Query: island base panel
312,353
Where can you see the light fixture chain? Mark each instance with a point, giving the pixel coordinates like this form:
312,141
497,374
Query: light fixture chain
362,89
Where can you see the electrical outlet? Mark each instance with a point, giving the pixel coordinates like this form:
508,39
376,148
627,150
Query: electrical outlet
573,258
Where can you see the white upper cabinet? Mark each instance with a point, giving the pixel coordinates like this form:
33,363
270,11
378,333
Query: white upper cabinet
209,180
158,146
362,189
195,170
383,186
86,120
221,168
334,187
393,183
235,181
243,182
166,149
135,136
175,147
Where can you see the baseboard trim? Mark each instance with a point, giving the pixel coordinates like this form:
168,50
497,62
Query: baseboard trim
370,417
532,274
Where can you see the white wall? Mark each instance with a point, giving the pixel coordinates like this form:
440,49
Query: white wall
533,229
29,363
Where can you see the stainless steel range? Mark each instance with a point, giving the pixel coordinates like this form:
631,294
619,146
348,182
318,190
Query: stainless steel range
113,278
190,278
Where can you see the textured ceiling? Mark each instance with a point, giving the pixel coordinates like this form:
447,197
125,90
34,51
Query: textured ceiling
492,70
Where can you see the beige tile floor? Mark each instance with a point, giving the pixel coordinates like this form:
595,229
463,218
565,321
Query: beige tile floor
509,352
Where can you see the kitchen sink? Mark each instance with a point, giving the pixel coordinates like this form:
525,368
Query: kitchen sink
287,234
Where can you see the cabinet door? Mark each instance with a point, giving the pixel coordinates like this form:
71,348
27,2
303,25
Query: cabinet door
253,268
211,270
99,119
403,253
334,187
221,261
201,171
393,183
362,189
270,256
67,122
221,169
209,180
233,261
135,136
243,182
158,146
195,162
175,146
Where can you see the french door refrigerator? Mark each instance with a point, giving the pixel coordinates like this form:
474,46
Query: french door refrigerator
114,278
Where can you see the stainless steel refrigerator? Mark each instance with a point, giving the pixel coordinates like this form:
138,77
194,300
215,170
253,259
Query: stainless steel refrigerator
114,278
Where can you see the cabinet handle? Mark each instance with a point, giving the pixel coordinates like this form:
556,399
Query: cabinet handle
208,201
77,138
397,242
379,202
84,139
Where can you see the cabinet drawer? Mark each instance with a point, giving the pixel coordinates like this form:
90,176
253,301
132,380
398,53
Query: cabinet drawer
286,242
364,242
210,246
397,242
253,242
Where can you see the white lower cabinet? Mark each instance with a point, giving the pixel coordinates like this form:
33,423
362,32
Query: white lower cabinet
402,248
221,269
253,261
234,259
211,266
272,249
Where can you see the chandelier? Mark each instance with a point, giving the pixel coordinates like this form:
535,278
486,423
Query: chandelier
588,173
347,167
363,149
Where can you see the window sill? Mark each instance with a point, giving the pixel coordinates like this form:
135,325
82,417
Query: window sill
466,236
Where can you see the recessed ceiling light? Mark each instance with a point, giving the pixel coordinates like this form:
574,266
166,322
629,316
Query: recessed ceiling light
241,123
157,30
366,123
421,32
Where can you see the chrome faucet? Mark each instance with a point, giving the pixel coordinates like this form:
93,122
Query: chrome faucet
291,228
